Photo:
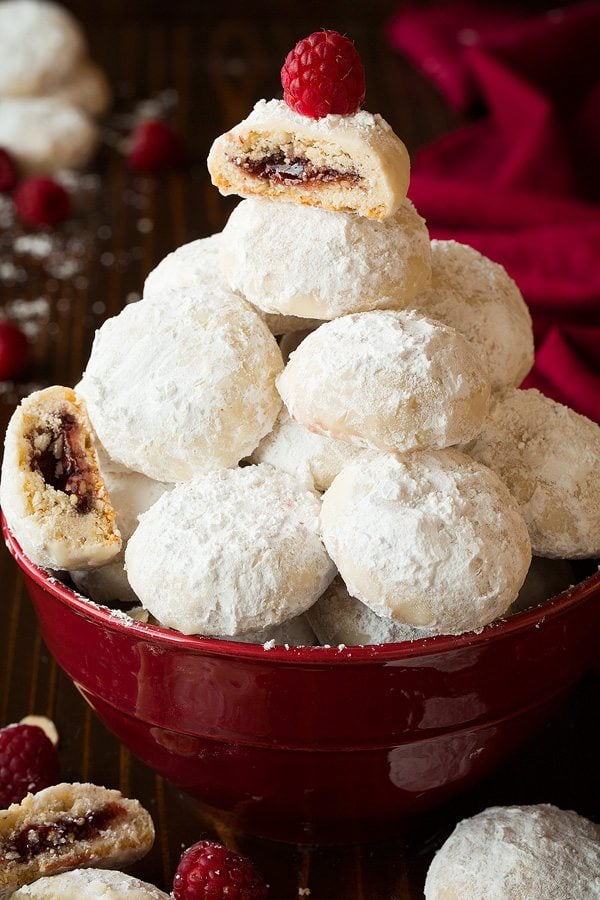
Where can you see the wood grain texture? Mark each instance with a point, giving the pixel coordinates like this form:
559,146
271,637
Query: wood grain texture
219,67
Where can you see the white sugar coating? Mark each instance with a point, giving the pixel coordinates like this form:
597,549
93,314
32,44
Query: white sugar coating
182,387
196,266
131,494
476,296
85,884
231,552
296,632
40,43
392,380
338,618
293,448
548,456
45,134
518,853
429,539
545,579
309,262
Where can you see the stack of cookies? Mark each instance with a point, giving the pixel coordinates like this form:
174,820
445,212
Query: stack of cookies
392,451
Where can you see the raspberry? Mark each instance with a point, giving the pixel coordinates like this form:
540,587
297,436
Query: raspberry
323,74
14,352
8,171
28,762
41,202
155,147
209,871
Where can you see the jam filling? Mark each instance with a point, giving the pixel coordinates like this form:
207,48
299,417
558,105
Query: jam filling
52,837
62,462
278,168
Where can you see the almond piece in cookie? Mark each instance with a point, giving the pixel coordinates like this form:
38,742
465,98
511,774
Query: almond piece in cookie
52,492
70,826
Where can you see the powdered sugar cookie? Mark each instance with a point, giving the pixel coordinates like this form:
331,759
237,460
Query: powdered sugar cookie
476,296
432,540
511,852
68,826
547,455
86,87
40,45
349,163
197,265
232,552
387,379
45,134
176,388
308,262
85,884
293,448
337,618
131,494
53,495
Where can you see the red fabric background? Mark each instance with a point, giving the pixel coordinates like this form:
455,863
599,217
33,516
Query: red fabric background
522,182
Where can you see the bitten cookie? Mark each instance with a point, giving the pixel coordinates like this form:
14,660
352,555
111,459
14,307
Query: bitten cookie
53,495
432,540
235,551
349,163
337,618
476,296
40,45
302,261
387,379
91,884
547,455
293,448
514,852
185,386
67,826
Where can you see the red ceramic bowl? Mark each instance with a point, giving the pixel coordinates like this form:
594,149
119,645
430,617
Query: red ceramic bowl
319,744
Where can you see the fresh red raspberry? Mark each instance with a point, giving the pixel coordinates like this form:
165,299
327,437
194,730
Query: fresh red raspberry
155,147
14,352
28,762
323,74
209,871
8,171
41,202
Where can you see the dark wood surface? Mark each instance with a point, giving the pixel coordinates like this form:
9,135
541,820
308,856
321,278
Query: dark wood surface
125,224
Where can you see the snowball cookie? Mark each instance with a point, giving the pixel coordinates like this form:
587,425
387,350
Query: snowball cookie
131,494
296,632
546,578
387,379
181,387
195,266
518,853
40,44
85,884
230,552
293,448
86,87
476,296
45,134
338,618
432,540
310,262
548,457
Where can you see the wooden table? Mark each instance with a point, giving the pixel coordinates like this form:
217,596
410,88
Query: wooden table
125,224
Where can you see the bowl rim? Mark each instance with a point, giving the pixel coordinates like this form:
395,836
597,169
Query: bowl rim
389,652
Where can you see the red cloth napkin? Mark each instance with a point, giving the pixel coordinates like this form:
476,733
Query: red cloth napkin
521,183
